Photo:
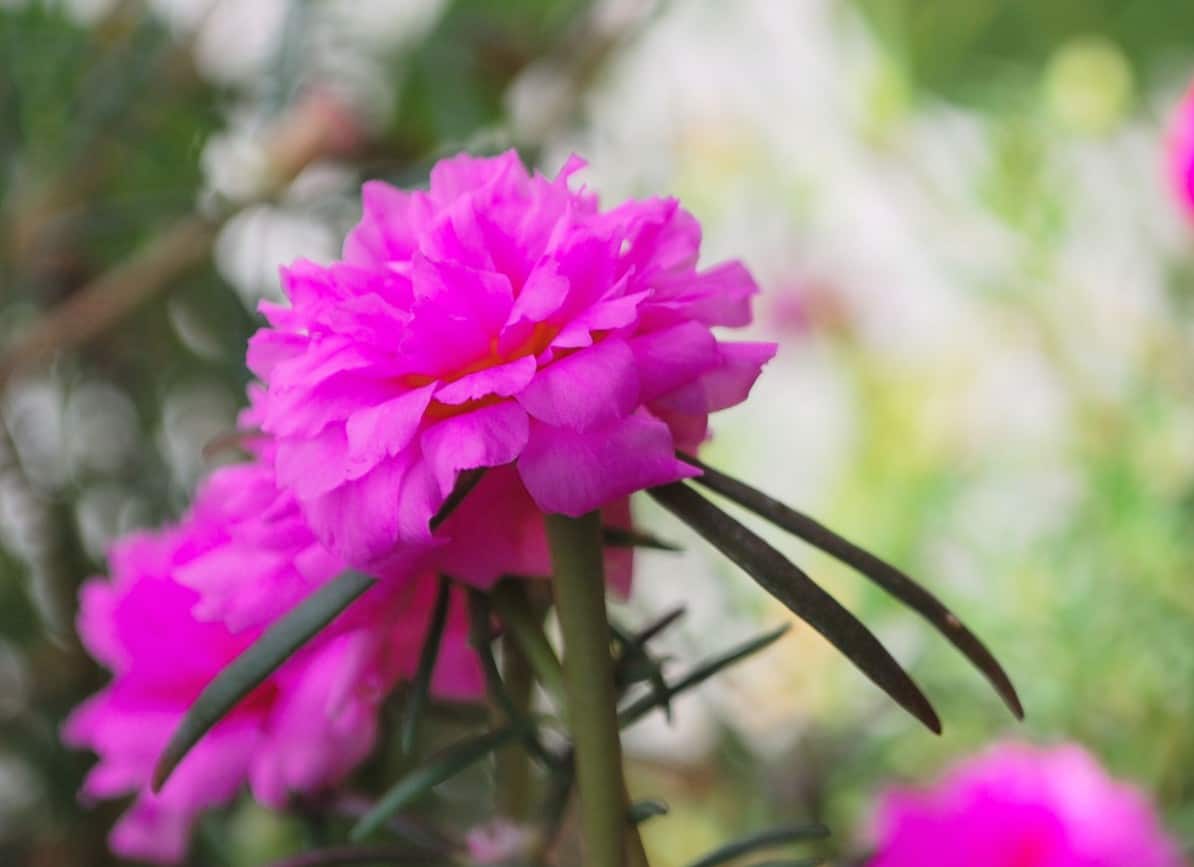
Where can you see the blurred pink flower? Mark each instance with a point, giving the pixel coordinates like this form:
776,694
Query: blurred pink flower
1023,806
499,318
1180,145
247,549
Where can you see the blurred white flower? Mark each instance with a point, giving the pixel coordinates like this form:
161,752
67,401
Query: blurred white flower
193,416
101,428
257,241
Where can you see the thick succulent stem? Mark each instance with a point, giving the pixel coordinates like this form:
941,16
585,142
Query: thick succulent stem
579,583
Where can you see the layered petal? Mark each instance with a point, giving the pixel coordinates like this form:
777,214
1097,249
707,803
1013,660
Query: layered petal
574,472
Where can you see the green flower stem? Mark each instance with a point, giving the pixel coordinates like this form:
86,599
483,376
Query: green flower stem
514,762
579,584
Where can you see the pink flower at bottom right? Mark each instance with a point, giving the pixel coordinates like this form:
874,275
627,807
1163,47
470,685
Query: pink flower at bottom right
1017,805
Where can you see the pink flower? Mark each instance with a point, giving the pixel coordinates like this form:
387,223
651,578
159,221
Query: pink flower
1180,145
497,319
247,549
1023,806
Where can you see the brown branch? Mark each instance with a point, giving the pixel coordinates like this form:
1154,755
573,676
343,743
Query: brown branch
316,127
113,295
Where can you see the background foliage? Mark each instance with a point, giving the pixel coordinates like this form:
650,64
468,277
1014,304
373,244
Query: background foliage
956,208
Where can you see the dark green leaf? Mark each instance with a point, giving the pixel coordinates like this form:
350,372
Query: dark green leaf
635,665
480,622
762,840
443,766
257,662
891,579
618,537
791,586
421,686
641,811
640,708
652,629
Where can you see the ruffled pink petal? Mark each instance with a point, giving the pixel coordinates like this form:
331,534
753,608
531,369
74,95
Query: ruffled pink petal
726,385
97,605
460,310
673,357
720,296
464,174
608,314
219,578
662,237
361,515
572,472
383,430
544,291
587,389
458,236
386,231
153,832
314,466
486,437
267,349
502,380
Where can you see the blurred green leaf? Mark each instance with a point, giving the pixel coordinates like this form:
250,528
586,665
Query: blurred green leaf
443,766
420,687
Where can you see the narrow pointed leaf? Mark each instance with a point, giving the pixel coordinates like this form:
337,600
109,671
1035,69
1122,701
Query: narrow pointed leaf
762,840
891,579
640,708
635,665
619,537
791,586
258,662
275,646
443,766
481,640
421,686
652,629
